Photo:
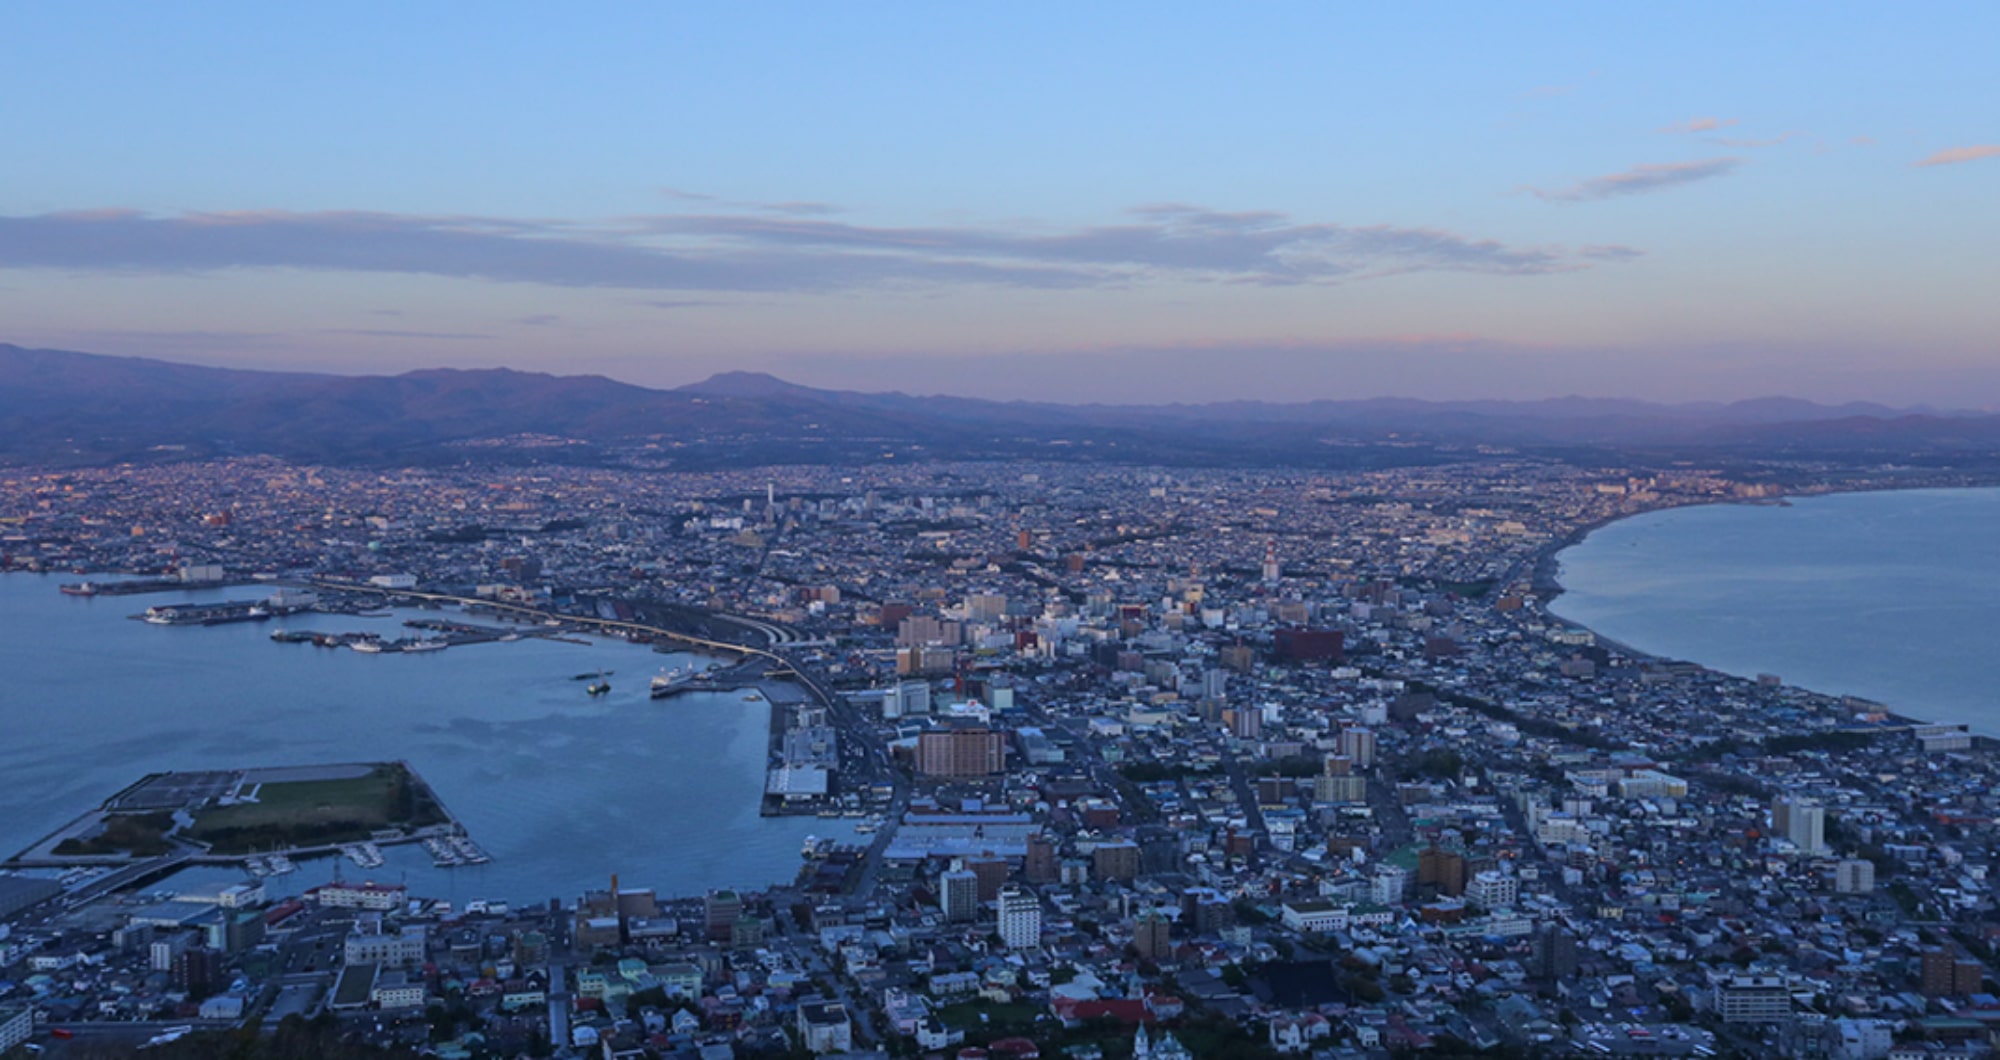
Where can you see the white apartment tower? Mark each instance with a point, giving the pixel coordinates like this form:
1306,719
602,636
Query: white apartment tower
1020,919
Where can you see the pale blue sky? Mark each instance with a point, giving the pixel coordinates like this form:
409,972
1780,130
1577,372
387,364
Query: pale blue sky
1153,201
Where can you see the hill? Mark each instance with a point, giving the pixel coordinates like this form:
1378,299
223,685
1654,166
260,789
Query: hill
60,407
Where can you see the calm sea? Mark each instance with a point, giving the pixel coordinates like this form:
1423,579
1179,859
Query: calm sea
1893,596
562,789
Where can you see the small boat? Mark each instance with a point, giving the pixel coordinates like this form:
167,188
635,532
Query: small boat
599,686
442,855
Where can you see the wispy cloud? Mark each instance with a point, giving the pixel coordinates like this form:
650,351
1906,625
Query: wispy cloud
1641,179
1954,155
715,252
1772,141
1254,246
395,333
682,303
1610,252
1696,125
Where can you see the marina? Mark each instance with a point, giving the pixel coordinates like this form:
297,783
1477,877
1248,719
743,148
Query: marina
453,851
495,732
363,855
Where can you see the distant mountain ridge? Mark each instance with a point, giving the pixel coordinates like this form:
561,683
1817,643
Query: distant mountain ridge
73,408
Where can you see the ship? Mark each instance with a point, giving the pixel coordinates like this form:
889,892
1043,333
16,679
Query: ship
80,588
425,645
668,682
367,647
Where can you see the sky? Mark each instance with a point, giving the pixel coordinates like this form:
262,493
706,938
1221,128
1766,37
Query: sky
1072,202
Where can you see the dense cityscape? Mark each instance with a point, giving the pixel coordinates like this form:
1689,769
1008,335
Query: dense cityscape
1148,763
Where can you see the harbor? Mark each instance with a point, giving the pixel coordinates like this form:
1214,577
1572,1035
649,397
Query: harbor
498,732
166,822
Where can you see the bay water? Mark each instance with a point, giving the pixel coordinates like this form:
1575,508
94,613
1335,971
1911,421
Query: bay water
1893,596
561,788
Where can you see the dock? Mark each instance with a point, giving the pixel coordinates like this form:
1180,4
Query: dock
198,795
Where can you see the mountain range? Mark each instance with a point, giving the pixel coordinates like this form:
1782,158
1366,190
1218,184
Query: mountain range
64,408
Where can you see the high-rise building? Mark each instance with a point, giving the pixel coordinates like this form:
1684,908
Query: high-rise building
1854,876
1753,999
986,607
1337,788
958,895
1020,919
1117,860
719,912
1443,869
1041,866
17,1025
1555,953
991,871
1388,884
1948,973
971,751
1244,723
1205,911
1802,821
919,631
1493,890
198,971
1359,745
1151,936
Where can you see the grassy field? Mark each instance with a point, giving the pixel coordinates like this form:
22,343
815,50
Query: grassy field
141,835
308,812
